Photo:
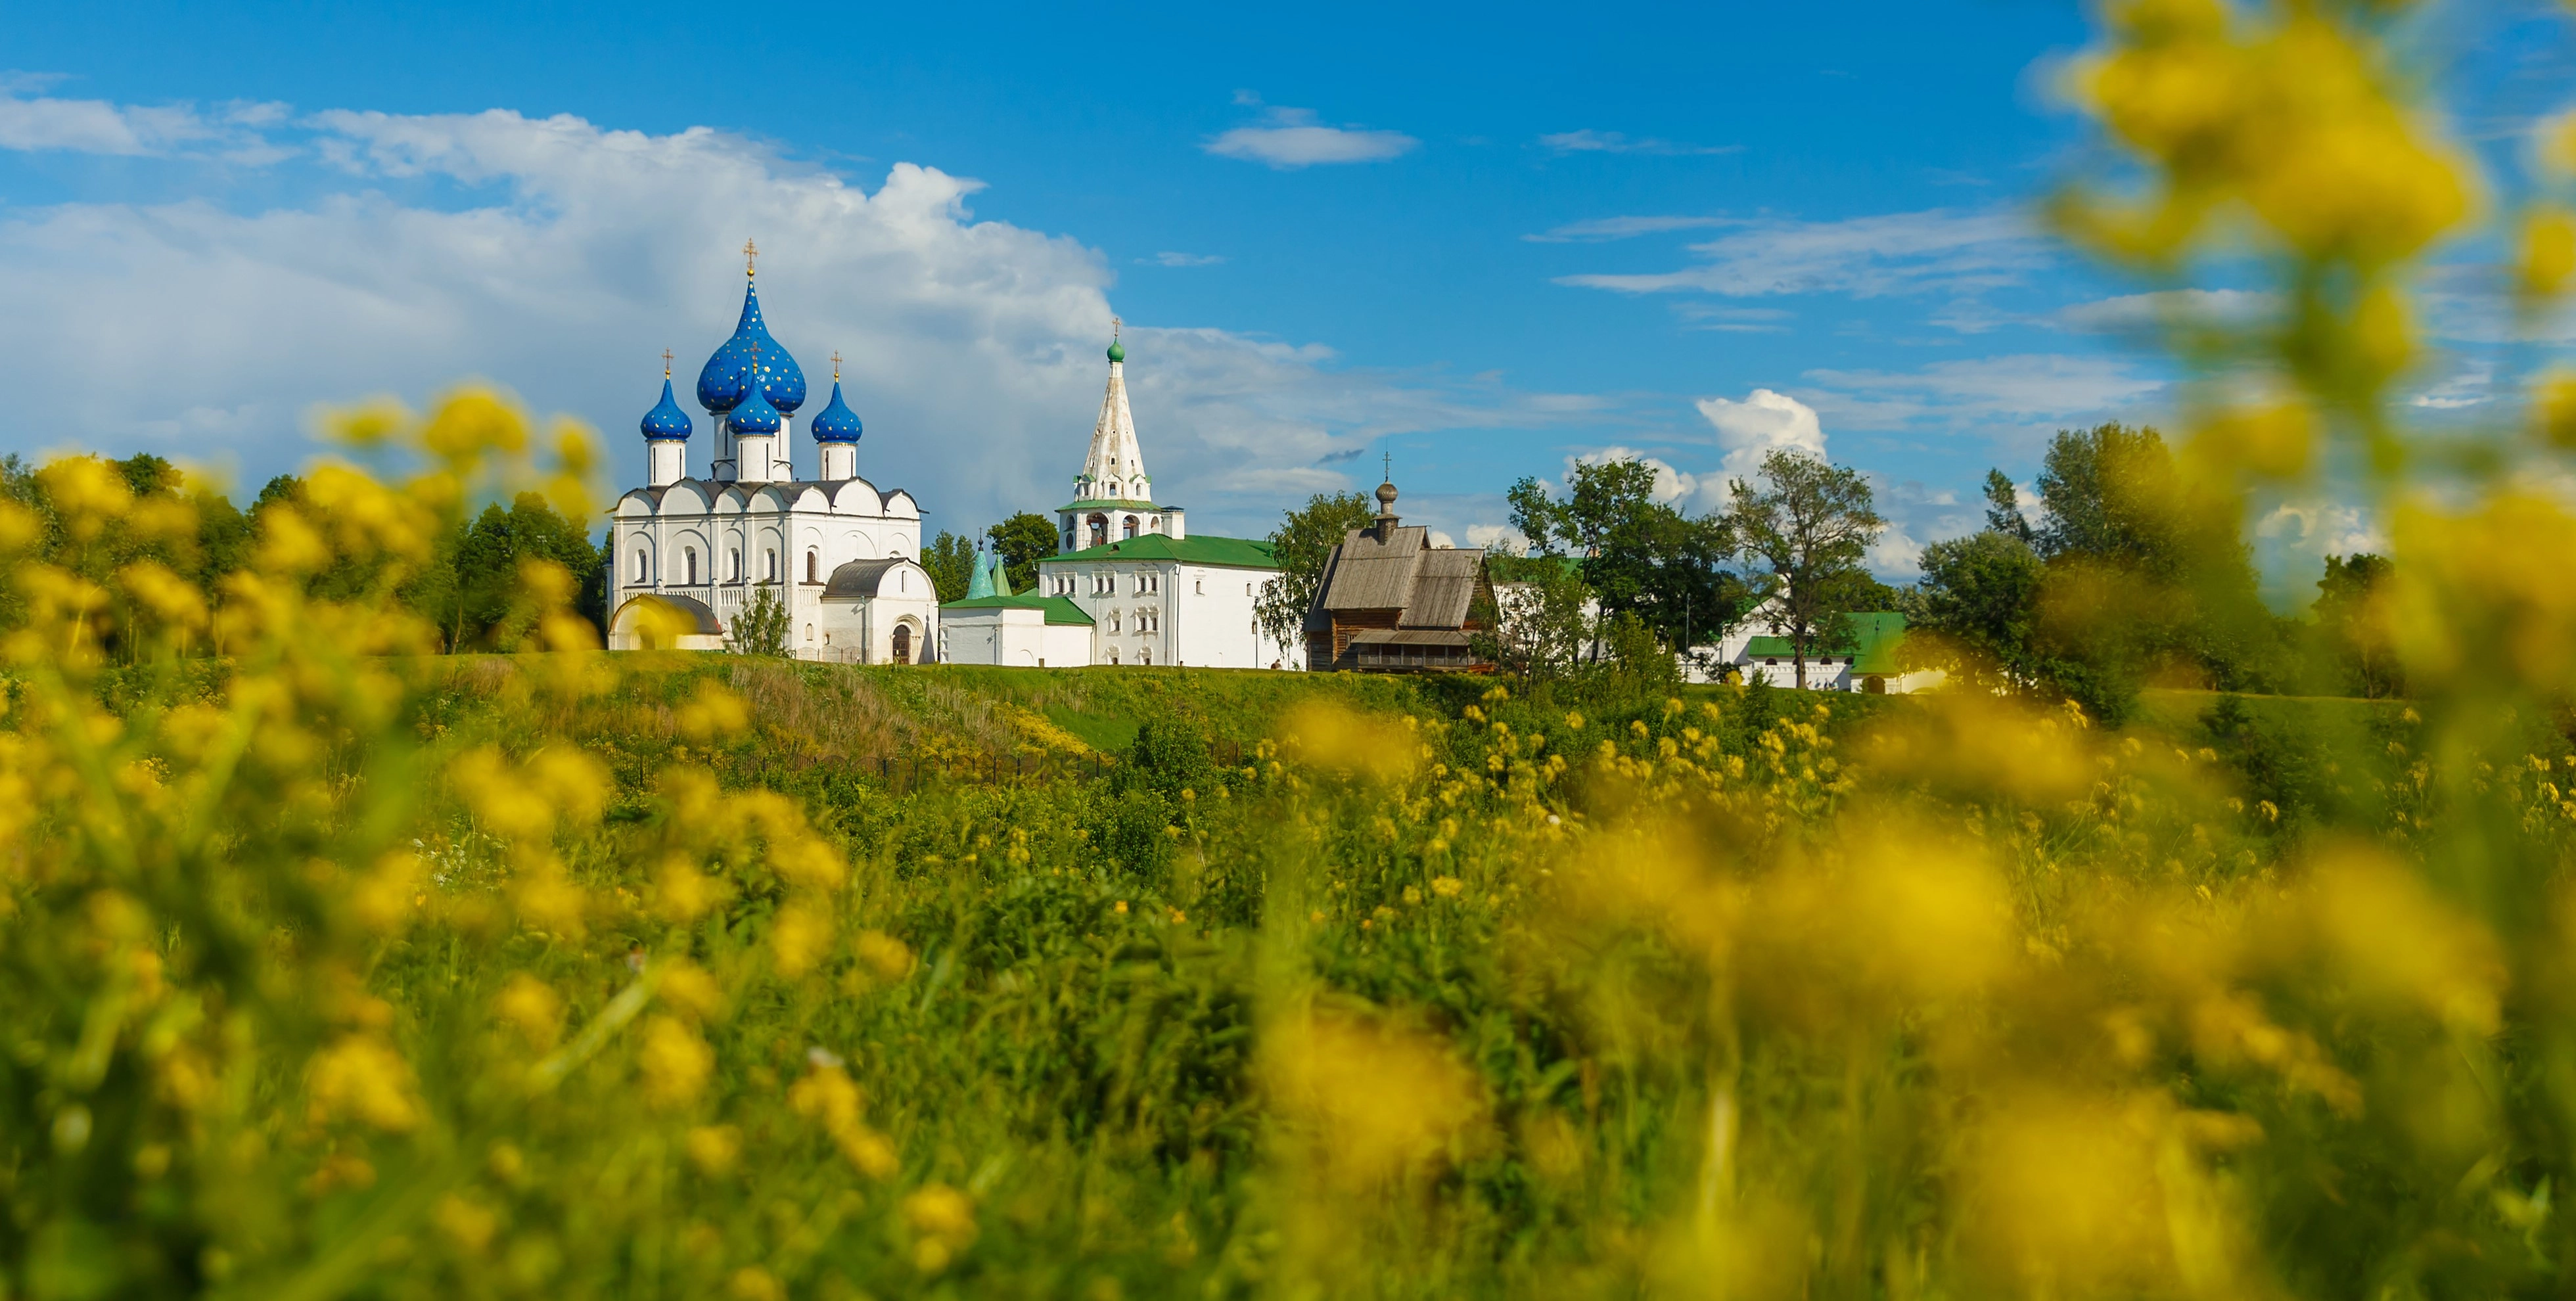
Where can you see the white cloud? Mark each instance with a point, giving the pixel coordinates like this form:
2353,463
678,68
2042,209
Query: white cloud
1292,138
1737,320
1863,256
1985,389
1501,538
1763,421
2471,384
1439,539
1611,142
1597,230
2137,313
1168,259
91,126
973,347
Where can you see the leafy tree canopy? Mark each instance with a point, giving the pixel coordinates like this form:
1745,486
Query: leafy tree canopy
1024,540
1301,544
1809,525
951,562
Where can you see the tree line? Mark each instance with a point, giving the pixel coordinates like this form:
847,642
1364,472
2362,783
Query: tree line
2133,577
467,591
2126,578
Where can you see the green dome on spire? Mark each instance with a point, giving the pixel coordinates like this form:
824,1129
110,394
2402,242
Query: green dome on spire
1116,353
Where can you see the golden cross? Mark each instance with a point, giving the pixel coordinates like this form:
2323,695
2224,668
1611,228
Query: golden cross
1114,326
750,251
666,363
836,366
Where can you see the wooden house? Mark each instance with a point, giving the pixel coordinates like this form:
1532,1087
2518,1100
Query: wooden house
1391,602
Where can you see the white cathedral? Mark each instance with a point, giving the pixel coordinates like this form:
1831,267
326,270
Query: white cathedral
1128,585
843,555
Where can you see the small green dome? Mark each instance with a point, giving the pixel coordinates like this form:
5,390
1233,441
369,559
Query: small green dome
1116,353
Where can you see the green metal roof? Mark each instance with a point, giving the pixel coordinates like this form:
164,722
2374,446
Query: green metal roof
1059,609
1238,553
1872,644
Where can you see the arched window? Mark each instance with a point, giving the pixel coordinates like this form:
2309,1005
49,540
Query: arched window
1099,529
1131,527
691,554
733,560
1113,656
643,571
1145,655
769,565
809,632
813,565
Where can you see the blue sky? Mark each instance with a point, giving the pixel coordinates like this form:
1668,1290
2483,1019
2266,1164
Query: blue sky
1484,239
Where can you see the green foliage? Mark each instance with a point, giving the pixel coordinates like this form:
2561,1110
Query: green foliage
951,562
1543,617
1809,525
762,626
1975,612
2356,647
1639,556
475,585
1024,539
1301,544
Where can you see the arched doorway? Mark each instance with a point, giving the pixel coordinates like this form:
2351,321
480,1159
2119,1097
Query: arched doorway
1874,685
902,644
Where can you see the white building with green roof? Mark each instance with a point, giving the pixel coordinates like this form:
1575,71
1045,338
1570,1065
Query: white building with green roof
1865,659
1154,594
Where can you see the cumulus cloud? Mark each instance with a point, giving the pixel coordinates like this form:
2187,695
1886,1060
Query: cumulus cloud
559,258
1763,421
1588,141
1501,538
1865,257
1290,138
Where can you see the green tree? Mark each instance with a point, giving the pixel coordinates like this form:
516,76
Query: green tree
1542,617
1300,545
2356,640
1978,601
1024,540
2003,509
475,587
1640,556
761,628
951,562
1810,525
2150,576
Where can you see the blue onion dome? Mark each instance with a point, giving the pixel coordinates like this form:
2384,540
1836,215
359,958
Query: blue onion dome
666,422
754,416
835,423
727,375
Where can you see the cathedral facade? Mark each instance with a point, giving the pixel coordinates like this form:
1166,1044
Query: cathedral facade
689,554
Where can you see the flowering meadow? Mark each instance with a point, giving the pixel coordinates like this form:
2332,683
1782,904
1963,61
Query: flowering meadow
334,967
